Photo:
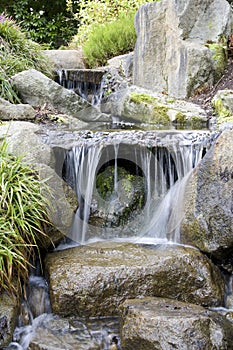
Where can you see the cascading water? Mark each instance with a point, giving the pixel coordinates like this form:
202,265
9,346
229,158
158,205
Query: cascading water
86,83
165,168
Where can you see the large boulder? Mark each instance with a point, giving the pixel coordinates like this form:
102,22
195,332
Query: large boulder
181,45
10,111
155,323
94,280
23,140
124,63
144,106
38,90
208,217
68,59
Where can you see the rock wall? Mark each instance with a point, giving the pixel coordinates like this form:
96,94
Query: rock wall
174,51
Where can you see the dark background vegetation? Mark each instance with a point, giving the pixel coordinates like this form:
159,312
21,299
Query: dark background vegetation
54,28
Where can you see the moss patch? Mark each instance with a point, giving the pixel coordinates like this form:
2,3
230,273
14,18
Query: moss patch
219,56
154,112
224,114
180,118
142,98
128,200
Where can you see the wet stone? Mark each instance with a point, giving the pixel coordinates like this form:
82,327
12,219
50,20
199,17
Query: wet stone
155,323
93,280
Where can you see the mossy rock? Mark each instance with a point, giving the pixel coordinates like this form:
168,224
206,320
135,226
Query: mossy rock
117,202
223,106
219,50
143,107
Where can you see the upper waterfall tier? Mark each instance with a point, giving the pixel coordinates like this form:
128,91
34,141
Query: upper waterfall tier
87,83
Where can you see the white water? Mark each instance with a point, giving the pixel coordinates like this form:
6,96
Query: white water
165,171
88,91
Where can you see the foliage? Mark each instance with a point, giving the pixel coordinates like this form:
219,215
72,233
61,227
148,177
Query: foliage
22,213
99,12
17,53
48,23
109,40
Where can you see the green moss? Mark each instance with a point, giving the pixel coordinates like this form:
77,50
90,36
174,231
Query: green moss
142,98
57,118
160,115
155,113
196,121
170,100
224,114
219,56
180,118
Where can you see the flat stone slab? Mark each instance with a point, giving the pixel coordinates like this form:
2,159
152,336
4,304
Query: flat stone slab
95,279
155,323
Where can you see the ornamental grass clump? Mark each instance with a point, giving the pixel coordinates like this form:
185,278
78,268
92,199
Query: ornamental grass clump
17,53
108,40
22,216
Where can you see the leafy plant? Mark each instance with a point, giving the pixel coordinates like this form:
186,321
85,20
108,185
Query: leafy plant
22,214
47,23
17,53
109,40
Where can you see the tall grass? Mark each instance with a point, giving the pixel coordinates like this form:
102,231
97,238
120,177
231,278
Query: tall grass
108,40
17,53
22,215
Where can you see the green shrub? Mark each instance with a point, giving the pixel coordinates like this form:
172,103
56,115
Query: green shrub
109,40
22,214
17,53
93,12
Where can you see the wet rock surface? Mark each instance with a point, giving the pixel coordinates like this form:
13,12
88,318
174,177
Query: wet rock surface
208,220
49,332
8,317
67,139
95,279
155,323
62,204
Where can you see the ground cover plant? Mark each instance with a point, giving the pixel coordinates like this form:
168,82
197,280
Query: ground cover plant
22,216
17,53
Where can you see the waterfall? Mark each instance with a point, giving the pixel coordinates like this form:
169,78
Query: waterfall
165,171
86,83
